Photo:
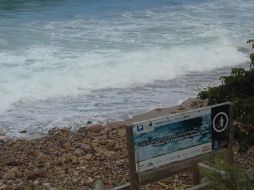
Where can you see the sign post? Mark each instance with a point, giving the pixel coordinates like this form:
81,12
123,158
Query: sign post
165,146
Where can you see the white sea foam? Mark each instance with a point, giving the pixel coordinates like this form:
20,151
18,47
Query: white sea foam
46,72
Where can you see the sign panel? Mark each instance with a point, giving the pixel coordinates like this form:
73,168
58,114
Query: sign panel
179,137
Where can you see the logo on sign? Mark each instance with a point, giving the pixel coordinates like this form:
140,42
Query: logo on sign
220,122
140,128
206,148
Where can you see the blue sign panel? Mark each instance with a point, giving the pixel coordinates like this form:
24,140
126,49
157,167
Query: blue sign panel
178,137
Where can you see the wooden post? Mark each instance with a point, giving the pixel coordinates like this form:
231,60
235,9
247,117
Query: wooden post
231,133
131,156
196,176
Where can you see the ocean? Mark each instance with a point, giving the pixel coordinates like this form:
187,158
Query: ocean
66,62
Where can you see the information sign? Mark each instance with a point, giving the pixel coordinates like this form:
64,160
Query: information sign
157,145
178,137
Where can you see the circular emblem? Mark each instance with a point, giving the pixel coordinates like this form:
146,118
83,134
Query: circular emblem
220,122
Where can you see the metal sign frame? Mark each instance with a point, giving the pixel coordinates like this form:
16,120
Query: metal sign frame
142,178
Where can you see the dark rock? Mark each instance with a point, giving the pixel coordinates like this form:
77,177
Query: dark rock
86,147
11,174
36,173
13,163
78,152
89,122
60,162
23,131
110,145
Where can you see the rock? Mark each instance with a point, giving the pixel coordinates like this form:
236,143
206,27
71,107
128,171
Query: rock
11,174
93,169
56,131
10,142
83,162
47,185
101,155
2,132
99,185
42,157
95,128
86,147
181,108
36,182
36,173
3,187
110,145
78,152
103,142
2,139
82,168
67,146
94,145
52,131
114,131
69,157
64,130
75,180
251,151
13,163
60,162
76,173
194,103
88,157
116,148
89,122
89,180
23,131
122,133
60,171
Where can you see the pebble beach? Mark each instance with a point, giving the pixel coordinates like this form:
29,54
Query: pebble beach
65,159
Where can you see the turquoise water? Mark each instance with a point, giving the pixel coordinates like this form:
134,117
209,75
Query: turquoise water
65,62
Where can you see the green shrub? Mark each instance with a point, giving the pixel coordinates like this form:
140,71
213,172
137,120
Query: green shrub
252,54
252,57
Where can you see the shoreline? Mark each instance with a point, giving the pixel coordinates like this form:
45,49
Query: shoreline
185,105
31,132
